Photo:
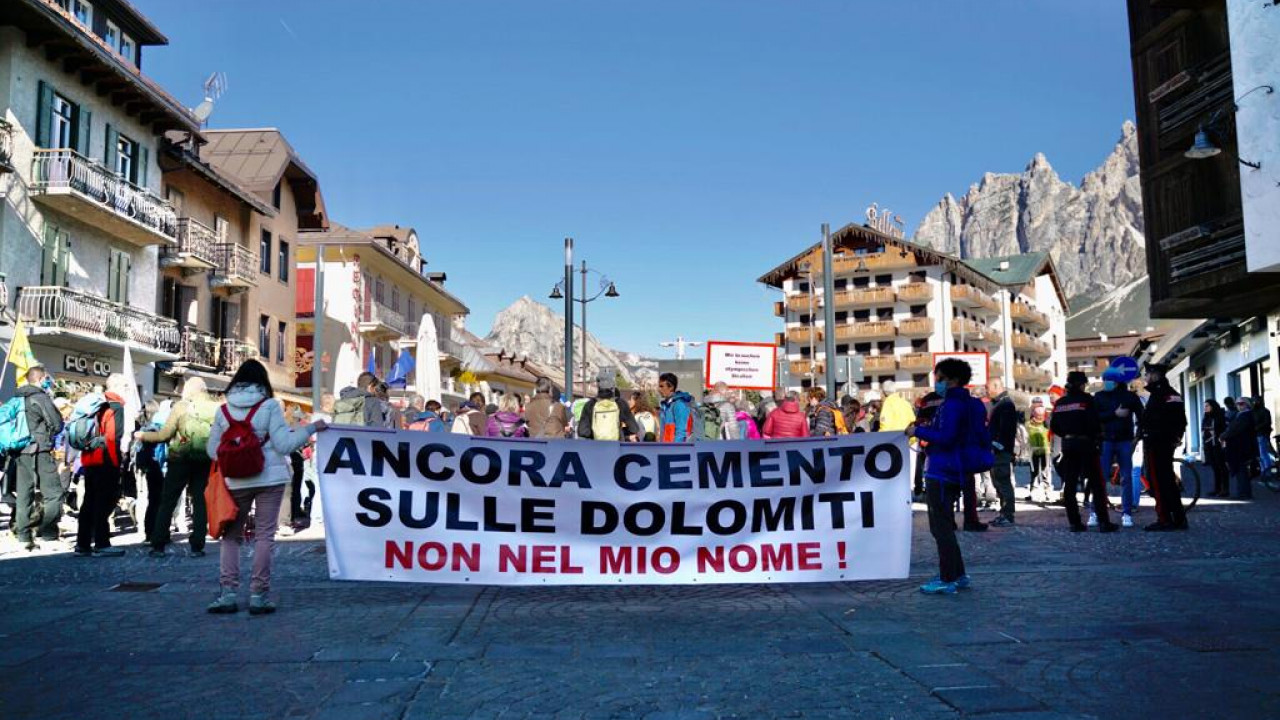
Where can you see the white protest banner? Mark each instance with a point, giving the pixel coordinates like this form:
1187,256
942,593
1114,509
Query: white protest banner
436,507
742,366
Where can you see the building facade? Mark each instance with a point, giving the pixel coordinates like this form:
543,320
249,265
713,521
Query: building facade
84,219
897,304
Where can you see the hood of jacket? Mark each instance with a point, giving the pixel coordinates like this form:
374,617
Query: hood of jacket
789,406
27,391
678,395
245,395
506,416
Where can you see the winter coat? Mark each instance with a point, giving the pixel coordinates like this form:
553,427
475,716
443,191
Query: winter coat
823,420
1114,427
111,423
678,418
509,421
1242,443
1262,421
1037,437
747,426
44,422
374,411
896,414
728,416
786,421
1164,419
278,439
1003,424
546,417
953,436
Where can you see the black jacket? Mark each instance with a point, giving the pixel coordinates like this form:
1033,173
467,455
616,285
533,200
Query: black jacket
1075,415
1003,424
1262,420
43,418
1114,427
1242,443
1164,419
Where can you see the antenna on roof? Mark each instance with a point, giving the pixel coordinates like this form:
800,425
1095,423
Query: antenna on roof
214,86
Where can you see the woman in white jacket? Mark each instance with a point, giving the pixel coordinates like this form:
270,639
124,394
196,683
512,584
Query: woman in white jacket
250,388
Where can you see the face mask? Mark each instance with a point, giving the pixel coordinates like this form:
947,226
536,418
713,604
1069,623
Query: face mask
1108,385
46,384
940,387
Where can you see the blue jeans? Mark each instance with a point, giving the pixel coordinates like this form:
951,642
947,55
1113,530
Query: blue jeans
1264,452
1120,452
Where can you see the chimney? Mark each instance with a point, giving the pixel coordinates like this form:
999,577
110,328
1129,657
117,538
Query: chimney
1004,264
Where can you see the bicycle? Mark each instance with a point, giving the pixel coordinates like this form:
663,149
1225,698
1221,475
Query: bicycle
1183,466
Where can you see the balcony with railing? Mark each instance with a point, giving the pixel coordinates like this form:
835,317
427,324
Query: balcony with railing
1031,346
803,367
879,363
83,321
916,362
915,292
1027,315
800,303
916,327
1031,375
235,267
232,353
447,346
867,330
199,349
803,335
196,249
6,147
997,369
378,320
971,297
891,260
865,297
967,329
83,188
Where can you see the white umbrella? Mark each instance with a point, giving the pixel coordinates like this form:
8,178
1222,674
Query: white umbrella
427,370
347,369
132,403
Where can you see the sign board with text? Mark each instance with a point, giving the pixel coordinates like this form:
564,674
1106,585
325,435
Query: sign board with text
978,361
742,366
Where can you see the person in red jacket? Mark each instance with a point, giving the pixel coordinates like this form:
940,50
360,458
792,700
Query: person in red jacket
102,477
787,420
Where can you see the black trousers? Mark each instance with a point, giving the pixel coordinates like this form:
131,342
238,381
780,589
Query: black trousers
101,492
37,470
942,525
155,496
190,474
1217,461
1159,459
1081,464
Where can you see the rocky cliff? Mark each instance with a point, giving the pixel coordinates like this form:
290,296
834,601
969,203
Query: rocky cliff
531,329
1093,232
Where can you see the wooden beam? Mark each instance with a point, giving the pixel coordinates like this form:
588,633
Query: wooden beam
108,86
35,38
73,63
135,108
91,77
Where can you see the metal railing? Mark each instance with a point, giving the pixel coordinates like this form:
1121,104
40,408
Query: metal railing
233,353
195,239
76,311
236,265
67,169
200,348
6,146
375,313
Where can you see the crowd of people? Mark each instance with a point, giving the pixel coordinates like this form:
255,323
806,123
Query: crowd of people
81,456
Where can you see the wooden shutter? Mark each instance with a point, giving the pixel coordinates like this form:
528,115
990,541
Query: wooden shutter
84,130
140,173
109,151
305,298
44,114
111,276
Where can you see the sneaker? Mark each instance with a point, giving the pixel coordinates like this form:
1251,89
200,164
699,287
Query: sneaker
1093,520
1127,521
225,604
109,552
260,605
962,583
937,587
81,552
1002,521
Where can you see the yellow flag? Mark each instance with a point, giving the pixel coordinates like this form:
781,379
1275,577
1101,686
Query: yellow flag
20,354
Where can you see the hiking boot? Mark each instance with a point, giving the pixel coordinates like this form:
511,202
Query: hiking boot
225,604
109,552
1158,527
1127,521
260,605
937,587
975,527
82,552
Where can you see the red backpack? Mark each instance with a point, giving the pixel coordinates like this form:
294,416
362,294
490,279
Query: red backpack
240,451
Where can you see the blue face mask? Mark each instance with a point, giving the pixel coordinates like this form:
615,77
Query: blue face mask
940,387
1108,385
46,384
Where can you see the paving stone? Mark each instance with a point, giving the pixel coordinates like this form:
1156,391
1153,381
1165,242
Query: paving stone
989,699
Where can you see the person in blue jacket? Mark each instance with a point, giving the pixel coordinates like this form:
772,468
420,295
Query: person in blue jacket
956,440
676,413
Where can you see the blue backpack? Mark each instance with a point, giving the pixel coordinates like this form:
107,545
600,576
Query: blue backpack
976,454
15,433
83,430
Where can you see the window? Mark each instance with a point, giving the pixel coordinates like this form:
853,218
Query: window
805,351
264,336
861,315
885,347
862,348
127,48
126,157
884,314
118,277
281,329
264,252
411,309
920,380
919,344
842,349
804,319
841,284
379,291
62,123
275,195
803,287
395,299
177,199
919,311
112,35
842,316
83,12
884,280
282,261
57,248
220,228
861,282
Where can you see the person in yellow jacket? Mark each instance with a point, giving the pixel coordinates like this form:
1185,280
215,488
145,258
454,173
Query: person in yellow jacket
896,412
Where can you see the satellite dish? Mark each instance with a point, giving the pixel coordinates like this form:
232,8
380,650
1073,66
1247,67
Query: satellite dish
214,86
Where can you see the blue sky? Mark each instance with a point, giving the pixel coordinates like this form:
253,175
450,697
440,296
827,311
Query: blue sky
687,146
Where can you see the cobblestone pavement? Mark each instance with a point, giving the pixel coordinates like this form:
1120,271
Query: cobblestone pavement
1058,625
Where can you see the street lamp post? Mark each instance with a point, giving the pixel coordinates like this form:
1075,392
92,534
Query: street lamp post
564,289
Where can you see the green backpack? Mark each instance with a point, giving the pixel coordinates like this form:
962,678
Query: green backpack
193,430
349,411
712,423
606,421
